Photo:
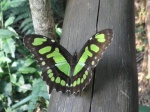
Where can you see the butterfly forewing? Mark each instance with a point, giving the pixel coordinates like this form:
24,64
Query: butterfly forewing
53,59
89,57
95,47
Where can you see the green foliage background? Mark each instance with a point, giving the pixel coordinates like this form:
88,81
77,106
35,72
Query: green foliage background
21,86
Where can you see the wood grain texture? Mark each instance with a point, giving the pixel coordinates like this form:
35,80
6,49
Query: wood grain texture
79,26
115,82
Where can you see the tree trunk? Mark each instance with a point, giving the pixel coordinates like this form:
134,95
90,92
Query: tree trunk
114,87
42,17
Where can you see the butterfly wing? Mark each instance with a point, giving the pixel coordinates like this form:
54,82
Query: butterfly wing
88,58
53,59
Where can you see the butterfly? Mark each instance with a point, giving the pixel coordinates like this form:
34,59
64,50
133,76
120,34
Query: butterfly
63,71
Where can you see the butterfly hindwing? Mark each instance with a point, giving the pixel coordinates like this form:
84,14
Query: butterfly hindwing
89,57
54,60
82,79
55,79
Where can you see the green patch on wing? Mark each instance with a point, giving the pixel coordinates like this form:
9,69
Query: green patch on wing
84,76
78,81
57,80
100,37
81,63
60,62
74,83
82,80
94,48
64,67
63,83
78,68
45,50
50,75
39,41
52,79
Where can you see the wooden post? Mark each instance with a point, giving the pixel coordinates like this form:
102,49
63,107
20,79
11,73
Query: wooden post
114,87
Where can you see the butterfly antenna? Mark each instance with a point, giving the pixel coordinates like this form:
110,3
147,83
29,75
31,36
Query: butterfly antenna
97,17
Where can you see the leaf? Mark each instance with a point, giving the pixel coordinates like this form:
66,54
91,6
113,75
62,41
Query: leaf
27,27
26,22
9,101
24,88
58,30
4,33
15,3
9,21
17,64
1,70
22,16
22,64
28,62
4,5
2,53
6,88
12,30
13,78
30,31
4,60
26,70
40,89
1,16
8,110
9,46
23,108
21,80
23,101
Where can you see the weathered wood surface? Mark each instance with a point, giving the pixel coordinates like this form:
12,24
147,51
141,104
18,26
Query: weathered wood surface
115,82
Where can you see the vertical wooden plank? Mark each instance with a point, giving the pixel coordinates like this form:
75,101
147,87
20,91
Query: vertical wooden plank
115,84
79,26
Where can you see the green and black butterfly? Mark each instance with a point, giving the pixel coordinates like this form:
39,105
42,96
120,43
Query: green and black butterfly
60,69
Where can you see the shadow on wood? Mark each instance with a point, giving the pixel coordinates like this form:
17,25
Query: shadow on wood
115,82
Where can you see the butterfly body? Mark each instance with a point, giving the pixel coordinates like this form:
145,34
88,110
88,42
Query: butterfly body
60,69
